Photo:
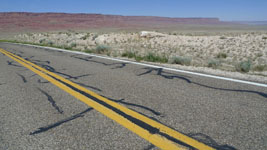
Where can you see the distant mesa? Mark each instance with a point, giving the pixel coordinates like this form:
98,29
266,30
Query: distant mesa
251,22
24,21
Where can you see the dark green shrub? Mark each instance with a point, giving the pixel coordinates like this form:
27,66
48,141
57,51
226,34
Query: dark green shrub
155,58
50,43
124,54
221,55
244,66
128,54
214,63
73,45
138,58
42,41
88,51
102,49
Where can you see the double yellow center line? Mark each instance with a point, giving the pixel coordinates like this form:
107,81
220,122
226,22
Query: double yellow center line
153,131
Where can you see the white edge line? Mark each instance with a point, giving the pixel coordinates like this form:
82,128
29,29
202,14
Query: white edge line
153,66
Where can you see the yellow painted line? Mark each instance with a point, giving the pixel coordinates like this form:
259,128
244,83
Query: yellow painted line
155,139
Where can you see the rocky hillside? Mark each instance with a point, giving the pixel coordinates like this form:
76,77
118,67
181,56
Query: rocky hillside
20,21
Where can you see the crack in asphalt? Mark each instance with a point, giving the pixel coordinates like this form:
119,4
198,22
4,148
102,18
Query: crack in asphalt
10,63
51,126
22,77
89,59
51,100
167,75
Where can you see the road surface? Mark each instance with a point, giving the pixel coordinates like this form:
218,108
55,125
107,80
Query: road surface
36,114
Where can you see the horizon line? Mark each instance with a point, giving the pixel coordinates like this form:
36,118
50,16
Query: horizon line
51,12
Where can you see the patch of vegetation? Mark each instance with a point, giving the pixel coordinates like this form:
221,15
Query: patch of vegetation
72,45
151,57
85,37
42,41
66,47
180,60
94,37
244,66
260,68
88,51
68,34
259,54
214,63
128,54
102,49
138,58
155,58
264,38
221,55
50,43
223,37
8,41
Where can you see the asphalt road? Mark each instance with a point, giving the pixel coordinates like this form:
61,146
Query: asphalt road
35,114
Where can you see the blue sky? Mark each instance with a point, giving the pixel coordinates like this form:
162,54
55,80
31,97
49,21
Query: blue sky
227,10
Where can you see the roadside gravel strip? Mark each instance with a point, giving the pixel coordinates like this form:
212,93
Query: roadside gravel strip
154,66
156,133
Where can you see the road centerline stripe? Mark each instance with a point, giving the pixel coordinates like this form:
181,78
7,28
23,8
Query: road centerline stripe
153,131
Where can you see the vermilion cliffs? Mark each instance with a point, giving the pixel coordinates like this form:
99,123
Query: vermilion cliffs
22,21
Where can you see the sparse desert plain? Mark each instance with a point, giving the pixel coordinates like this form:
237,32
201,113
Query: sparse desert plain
198,44
242,52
